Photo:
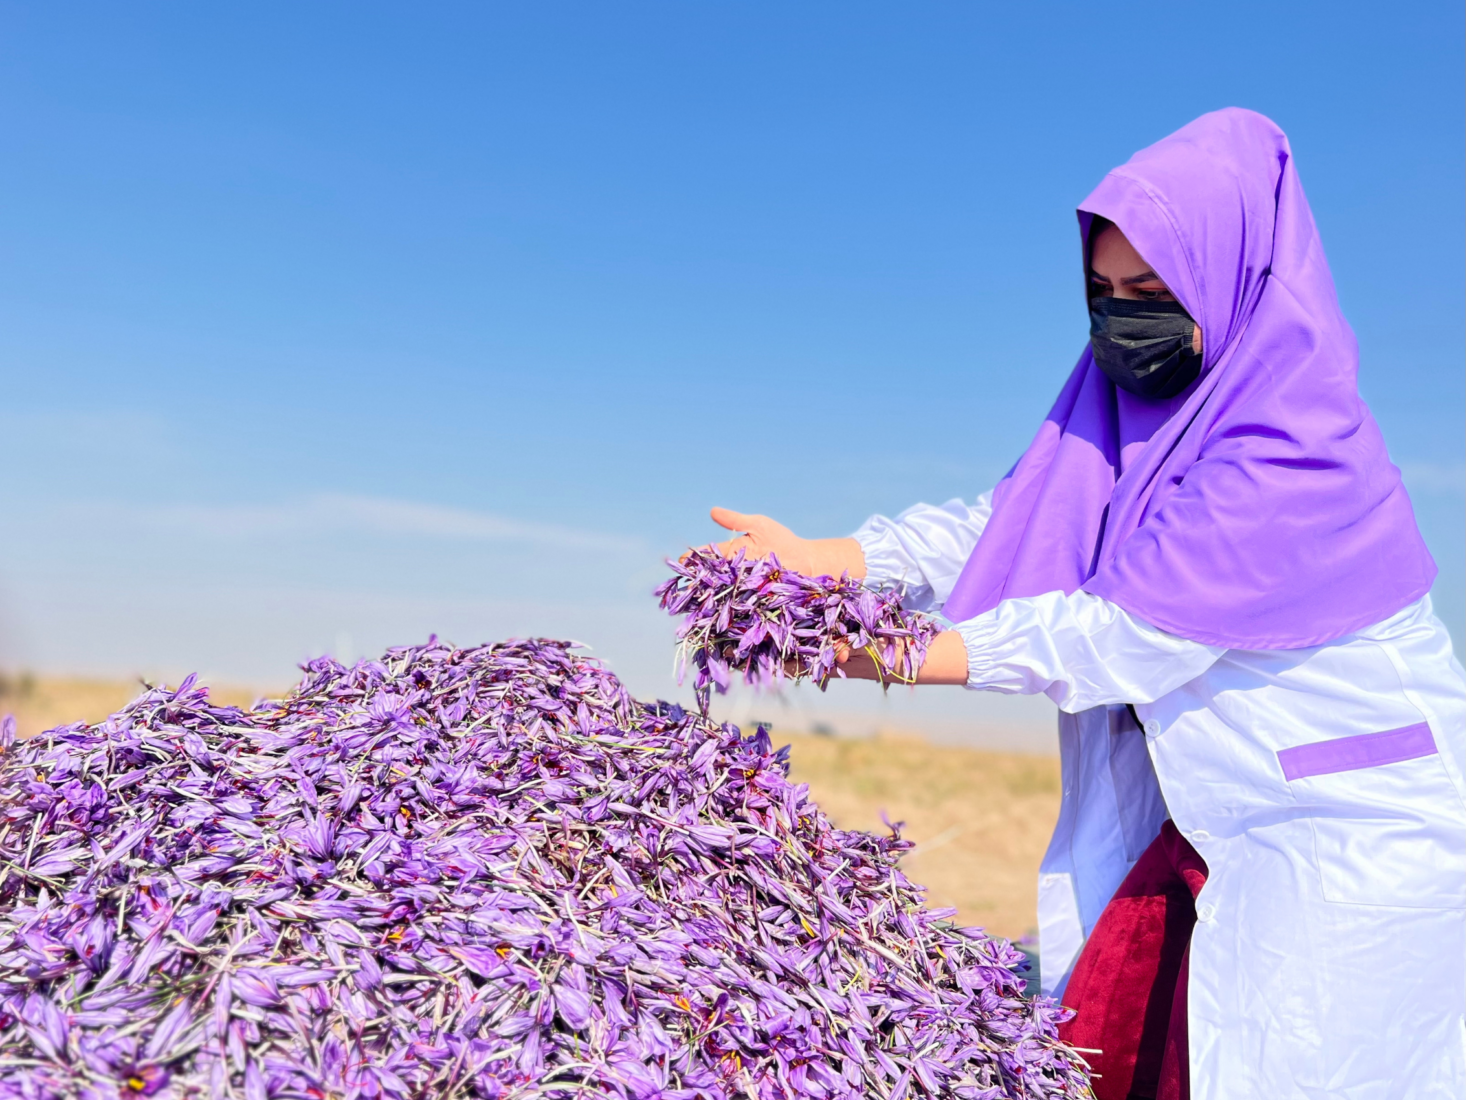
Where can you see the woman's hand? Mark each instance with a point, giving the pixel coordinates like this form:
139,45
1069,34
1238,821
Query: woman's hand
946,657
946,662
762,536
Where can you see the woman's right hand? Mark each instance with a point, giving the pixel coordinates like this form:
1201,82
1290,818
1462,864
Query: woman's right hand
761,536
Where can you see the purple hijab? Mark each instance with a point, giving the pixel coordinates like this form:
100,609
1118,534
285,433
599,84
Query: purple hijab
1256,510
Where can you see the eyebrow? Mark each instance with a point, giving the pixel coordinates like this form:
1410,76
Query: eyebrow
1133,280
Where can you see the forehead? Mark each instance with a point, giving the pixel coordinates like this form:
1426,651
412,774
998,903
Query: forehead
1113,255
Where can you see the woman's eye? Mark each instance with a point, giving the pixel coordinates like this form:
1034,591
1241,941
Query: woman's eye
1154,295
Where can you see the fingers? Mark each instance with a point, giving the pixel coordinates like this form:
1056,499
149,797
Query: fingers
734,521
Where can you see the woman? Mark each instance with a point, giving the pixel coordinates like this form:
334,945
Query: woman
1257,885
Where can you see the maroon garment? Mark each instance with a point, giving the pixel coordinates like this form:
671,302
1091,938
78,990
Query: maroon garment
1128,988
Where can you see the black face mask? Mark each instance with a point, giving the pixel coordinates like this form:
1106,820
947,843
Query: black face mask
1144,347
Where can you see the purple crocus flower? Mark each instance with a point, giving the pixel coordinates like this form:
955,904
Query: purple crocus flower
490,873
771,623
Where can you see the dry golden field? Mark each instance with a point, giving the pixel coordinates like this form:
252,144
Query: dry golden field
39,703
980,819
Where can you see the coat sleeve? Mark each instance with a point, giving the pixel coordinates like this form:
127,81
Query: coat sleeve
922,551
1079,650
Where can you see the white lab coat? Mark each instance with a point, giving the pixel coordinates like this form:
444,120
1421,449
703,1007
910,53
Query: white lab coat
1329,954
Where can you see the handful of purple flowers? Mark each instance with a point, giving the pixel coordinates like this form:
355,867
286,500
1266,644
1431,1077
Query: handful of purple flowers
754,615
473,873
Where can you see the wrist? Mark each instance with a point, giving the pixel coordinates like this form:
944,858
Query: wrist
946,660
837,556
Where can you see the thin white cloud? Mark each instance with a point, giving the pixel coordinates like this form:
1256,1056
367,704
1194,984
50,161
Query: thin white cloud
329,514
411,518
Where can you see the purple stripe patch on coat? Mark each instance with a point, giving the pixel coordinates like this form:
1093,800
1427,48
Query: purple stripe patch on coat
1364,750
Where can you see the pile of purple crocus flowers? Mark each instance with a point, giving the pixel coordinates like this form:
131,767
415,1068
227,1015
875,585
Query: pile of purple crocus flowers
753,614
473,873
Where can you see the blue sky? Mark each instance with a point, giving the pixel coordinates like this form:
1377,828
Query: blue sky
323,326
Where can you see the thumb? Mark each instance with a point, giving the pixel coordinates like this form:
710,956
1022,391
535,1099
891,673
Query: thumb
733,521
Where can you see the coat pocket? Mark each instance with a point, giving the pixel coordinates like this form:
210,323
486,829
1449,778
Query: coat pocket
1389,827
